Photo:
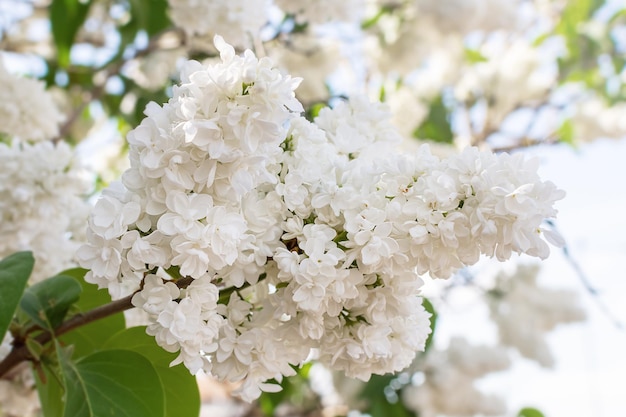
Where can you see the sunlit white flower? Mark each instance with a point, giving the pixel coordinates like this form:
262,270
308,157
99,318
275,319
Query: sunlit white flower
262,236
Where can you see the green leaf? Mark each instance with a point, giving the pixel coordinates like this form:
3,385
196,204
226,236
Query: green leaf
582,51
181,395
529,412
296,391
374,19
145,15
314,111
436,127
151,15
473,56
47,302
34,348
376,386
378,404
50,392
575,13
386,409
566,132
14,273
66,18
117,383
433,322
539,40
89,338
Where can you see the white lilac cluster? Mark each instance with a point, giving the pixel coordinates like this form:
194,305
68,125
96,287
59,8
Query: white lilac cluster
42,205
447,386
323,11
27,110
253,236
525,312
41,187
238,21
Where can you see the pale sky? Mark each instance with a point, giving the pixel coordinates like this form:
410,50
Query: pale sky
589,379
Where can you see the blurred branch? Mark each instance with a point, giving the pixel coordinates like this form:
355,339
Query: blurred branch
589,287
105,73
526,142
20,353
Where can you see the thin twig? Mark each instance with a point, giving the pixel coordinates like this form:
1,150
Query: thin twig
20,352
111,69
586,282
595,294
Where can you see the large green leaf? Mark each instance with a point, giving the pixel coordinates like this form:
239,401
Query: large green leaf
14,273
181,395
66,18
89,338
47,302
118,383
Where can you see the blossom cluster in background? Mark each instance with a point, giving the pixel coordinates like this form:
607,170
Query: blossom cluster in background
446,384
524,312
42,203
42,186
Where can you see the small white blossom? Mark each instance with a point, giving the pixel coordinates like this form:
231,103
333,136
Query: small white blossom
155,295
